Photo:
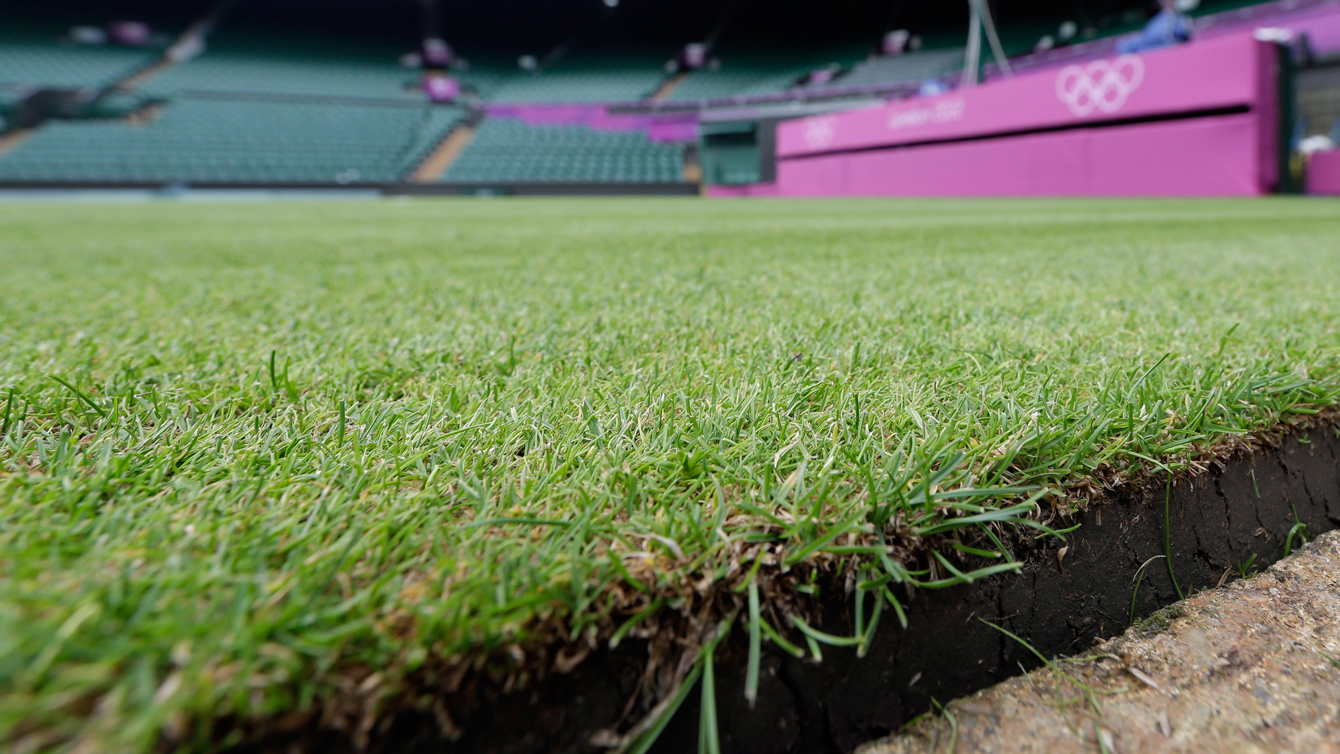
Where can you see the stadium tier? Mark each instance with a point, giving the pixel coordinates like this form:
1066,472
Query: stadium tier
262,65
263,68
237,141
511,151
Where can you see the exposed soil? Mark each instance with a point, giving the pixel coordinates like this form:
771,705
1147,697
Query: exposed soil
1060,602
1253,667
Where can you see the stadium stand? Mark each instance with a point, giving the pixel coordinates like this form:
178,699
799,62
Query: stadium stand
280,109
753,72
1319,101
237,140
611,78
35,60
505,150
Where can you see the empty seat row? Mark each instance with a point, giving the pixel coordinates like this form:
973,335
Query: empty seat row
513,151
39,61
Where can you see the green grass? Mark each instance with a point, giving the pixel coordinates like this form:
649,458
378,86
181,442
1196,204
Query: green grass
249,447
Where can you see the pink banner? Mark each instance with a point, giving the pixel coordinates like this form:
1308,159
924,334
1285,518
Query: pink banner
669,127
1215,156
1323,173
673,131
1209,75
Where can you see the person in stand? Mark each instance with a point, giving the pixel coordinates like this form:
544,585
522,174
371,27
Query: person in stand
1167,28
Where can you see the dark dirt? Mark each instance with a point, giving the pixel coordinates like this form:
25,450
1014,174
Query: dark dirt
1218,521
1246,669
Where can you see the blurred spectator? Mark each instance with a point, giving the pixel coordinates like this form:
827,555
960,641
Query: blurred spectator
1168,27
932,87
440,88
129,33
896,41
693,57
820,76
435,53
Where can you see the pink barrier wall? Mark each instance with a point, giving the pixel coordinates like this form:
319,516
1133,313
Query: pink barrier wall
1323,173
1149,159
1199,76
1229,149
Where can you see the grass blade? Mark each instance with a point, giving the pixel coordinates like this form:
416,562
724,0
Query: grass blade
755,647
709,741
78,394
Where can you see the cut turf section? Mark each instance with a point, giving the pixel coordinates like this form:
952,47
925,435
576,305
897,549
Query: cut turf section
251,454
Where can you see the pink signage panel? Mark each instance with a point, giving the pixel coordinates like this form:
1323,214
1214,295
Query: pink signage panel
1207,75
1213,156
1323,173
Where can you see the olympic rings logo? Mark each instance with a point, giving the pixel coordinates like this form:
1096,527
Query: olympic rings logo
1101,85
